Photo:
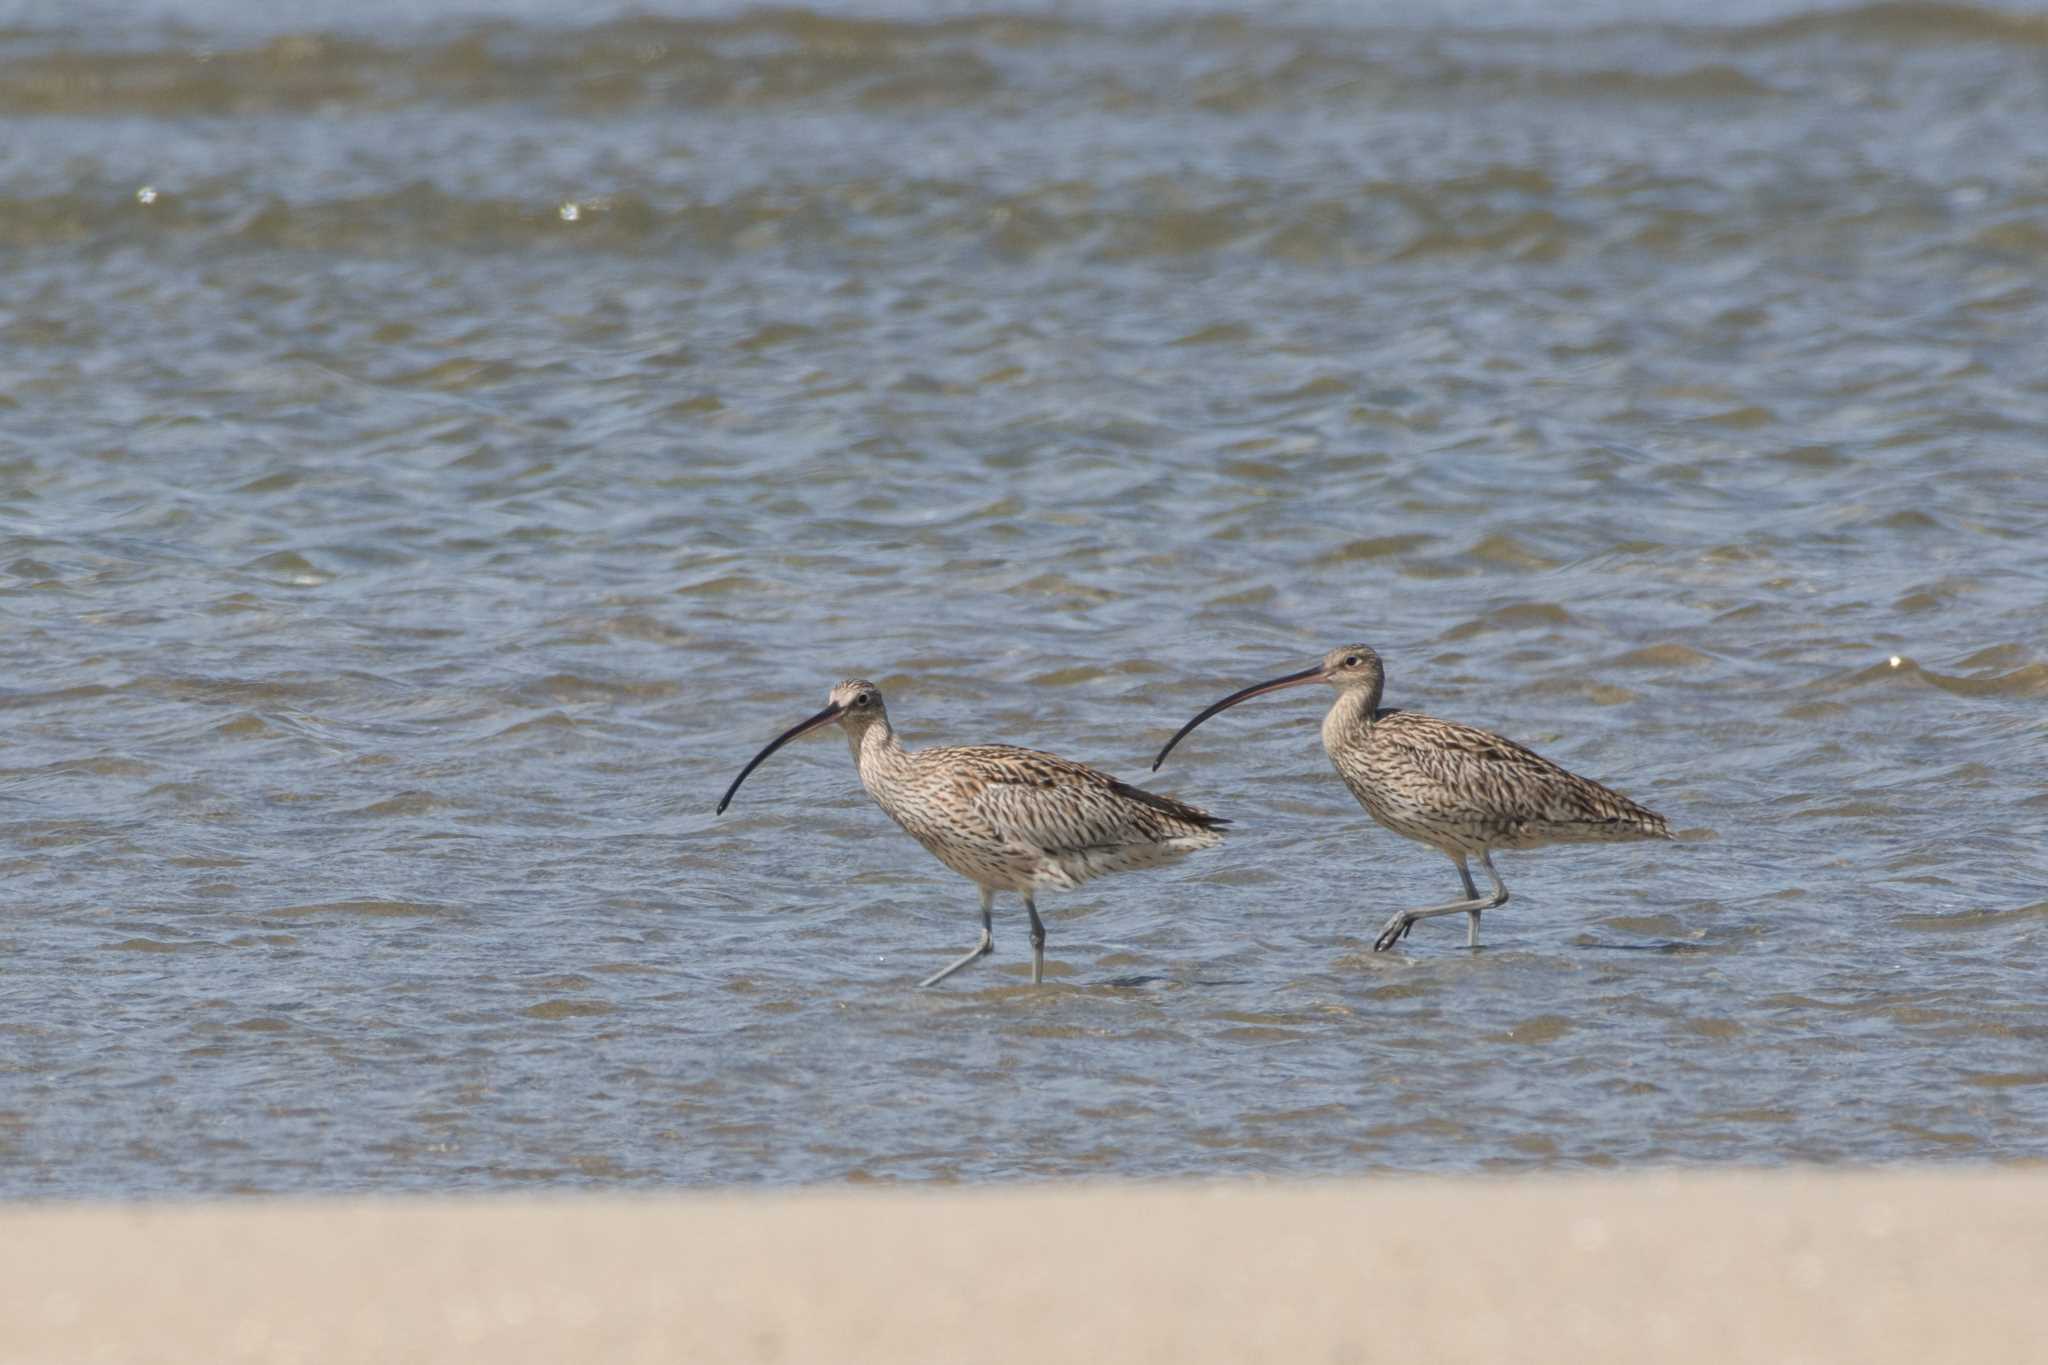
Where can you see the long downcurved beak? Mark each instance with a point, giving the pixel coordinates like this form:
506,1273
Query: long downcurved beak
824,717
1307,675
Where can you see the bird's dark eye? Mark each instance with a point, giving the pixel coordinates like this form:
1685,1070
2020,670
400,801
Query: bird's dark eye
1351,661
863,699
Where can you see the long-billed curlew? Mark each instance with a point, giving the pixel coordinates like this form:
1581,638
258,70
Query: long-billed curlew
1005,818
1451,786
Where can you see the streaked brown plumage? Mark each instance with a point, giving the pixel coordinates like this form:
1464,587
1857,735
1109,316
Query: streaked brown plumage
1005,818
1454,787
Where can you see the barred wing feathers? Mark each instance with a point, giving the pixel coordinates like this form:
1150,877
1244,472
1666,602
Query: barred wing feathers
1078,822
1467,769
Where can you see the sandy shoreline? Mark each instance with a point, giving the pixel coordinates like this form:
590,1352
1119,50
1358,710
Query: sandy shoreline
1793,1266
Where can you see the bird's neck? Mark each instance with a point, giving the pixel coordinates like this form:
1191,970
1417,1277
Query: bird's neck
877,752
1350,717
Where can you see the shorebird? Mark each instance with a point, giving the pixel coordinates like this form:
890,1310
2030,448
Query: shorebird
1005,818
1454,787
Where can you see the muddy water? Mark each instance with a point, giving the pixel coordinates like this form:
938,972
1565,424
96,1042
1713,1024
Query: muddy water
435,454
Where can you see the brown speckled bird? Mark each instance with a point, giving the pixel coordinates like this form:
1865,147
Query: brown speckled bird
1451,786
1005,818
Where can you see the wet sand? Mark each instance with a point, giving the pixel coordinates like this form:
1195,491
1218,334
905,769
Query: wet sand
1793,1266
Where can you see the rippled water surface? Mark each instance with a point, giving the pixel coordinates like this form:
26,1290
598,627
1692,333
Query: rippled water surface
436,454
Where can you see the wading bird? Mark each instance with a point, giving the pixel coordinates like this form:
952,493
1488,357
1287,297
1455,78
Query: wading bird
1005,818
1451,786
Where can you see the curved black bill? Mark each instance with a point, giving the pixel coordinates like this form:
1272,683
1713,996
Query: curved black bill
1307,675
830,713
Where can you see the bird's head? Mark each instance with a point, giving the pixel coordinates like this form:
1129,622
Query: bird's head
1348,668
856,704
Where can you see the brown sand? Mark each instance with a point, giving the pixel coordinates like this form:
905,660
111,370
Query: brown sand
1791,1267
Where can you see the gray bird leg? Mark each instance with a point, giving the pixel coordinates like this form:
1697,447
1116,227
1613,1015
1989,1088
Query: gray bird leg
1471,916
981,949
1037,944
1397,927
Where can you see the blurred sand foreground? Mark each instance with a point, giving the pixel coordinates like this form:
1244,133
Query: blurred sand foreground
1798,1266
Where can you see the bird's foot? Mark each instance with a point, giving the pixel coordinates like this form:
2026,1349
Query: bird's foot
974,954
1396,930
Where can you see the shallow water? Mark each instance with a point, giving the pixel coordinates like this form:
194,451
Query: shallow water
437,455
